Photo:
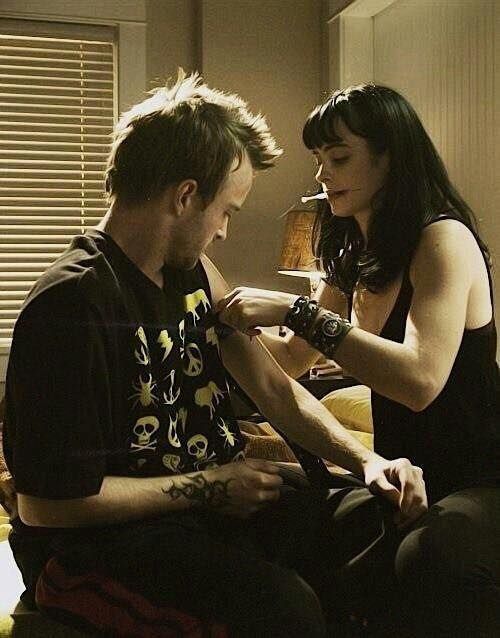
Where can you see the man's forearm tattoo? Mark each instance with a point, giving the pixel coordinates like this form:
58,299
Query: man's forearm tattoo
196,488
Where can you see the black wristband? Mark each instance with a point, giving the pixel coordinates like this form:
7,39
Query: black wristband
301,316
329,330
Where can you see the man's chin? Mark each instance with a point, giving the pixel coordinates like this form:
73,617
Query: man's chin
187,263
192,265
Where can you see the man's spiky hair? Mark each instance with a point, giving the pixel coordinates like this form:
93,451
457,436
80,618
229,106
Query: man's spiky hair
184,131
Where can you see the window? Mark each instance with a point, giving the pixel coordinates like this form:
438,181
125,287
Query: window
57,110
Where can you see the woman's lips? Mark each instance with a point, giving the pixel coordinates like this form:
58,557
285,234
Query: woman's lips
338,193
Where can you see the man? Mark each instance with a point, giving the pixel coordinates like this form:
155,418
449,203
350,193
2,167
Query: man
119,431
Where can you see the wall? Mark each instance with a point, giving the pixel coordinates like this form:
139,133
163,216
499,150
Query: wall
445,57
172,39
271,57
336,6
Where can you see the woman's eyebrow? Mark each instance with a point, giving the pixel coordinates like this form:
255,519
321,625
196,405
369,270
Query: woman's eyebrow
336,144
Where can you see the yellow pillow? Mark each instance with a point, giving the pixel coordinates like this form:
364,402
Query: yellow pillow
366,438
352,407
4,524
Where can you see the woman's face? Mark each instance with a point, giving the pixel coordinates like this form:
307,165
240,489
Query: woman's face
350,173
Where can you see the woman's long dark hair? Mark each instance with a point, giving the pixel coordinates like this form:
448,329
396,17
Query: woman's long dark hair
417,188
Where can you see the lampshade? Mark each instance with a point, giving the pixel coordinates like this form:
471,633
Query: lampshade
296,250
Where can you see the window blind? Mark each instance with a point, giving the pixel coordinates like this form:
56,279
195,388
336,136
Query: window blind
57,109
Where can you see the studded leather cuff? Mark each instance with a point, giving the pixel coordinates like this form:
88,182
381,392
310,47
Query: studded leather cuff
301,316
328,331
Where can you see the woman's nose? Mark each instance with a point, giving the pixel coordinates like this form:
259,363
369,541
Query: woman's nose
321,174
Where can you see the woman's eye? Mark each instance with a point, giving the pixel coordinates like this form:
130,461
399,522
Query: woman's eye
340,160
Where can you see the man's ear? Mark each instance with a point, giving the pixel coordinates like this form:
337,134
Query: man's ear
186,196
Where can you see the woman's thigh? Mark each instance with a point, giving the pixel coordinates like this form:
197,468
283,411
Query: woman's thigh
449,565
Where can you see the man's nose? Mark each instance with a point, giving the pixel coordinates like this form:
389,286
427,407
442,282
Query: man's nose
222,232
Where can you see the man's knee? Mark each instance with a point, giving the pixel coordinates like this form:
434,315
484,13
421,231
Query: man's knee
364,533
291,607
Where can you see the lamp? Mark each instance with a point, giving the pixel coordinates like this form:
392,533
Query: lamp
296,257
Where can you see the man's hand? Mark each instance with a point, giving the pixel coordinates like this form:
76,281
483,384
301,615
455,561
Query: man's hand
245,308
248,486
402,484
8,497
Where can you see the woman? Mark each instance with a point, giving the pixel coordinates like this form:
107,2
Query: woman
410,276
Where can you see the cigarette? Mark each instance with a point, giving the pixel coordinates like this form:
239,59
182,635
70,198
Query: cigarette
308,198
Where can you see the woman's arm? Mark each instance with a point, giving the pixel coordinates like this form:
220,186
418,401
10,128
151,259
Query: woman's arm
446,265
294,354
444,268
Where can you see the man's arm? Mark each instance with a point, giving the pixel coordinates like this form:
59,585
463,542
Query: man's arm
237,489
281,399
294,411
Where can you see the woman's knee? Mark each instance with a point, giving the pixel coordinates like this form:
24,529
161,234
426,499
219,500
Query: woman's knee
453,541
448,564
424,555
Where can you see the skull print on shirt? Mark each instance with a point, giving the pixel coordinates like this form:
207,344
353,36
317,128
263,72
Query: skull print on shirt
180,415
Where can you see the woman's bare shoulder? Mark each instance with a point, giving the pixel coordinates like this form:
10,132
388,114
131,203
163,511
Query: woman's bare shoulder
447,241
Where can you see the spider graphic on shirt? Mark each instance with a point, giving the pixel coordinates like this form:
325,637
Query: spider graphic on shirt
144,392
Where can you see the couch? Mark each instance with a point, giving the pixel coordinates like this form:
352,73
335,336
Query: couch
350,405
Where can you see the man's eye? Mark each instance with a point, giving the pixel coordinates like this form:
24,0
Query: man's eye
340,160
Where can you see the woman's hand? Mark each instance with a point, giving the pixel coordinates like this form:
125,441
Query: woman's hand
246,308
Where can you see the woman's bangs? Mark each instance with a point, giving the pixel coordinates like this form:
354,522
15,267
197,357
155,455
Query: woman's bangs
319,128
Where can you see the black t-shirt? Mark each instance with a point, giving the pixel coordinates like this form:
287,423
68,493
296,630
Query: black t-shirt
111,375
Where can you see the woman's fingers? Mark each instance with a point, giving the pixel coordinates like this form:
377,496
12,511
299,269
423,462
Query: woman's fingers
227,299
253,332
246,308
234,315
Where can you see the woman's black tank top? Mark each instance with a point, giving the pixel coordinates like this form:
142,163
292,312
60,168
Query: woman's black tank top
456,439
